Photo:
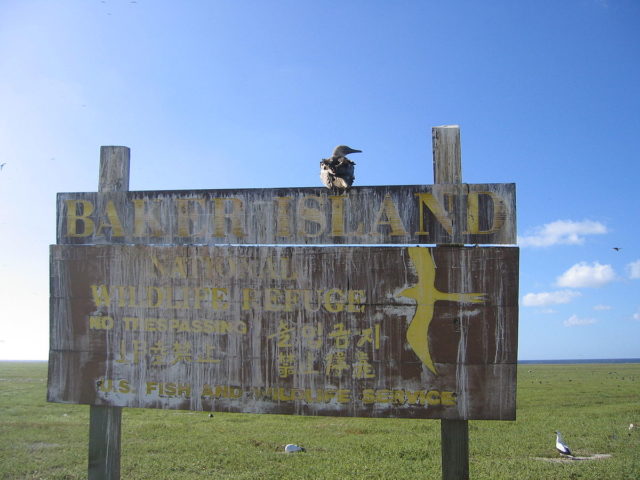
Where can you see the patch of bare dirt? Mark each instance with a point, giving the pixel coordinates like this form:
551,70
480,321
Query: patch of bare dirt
595,456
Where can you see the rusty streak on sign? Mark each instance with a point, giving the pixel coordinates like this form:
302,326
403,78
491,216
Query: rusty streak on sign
367,331
424,214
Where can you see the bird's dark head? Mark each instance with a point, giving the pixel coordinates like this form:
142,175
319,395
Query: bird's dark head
343,151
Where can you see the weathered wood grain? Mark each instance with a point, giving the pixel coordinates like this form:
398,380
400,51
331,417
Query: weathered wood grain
447,169
410,214
249,321
105,423
105,436
447,154
115,164
455,449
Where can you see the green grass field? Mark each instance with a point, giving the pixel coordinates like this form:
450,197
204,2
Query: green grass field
592,405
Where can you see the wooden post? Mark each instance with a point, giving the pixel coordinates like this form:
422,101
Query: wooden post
114,169
454,439
447,156
105,422
454,434
104,442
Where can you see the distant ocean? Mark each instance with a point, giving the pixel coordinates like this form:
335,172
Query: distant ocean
523,362
588,360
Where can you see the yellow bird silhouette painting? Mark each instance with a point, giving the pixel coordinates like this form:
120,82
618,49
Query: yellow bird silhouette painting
425,294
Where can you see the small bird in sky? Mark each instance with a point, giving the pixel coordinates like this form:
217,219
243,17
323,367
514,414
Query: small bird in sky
617,249
562,447
2,165
291,448
338,171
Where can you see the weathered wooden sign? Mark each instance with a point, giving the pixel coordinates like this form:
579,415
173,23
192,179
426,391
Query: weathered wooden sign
367,331
426,214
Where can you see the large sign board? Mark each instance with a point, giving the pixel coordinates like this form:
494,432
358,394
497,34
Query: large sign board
412,214
347,331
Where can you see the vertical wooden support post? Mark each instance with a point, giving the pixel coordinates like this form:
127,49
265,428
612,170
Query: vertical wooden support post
454,434
447,155
454,438
105,422
104,442
114,169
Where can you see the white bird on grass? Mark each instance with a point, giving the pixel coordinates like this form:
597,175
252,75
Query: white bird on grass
562,447
291,448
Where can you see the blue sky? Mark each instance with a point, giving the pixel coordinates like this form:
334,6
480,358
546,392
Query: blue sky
251,94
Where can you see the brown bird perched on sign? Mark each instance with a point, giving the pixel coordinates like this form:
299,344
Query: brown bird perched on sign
338,171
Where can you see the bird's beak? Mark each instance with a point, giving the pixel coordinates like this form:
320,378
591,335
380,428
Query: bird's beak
353,150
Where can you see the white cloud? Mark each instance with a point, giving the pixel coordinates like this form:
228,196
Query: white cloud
634,270
584,275
575,321
636,316
562,232
602,307
544,299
